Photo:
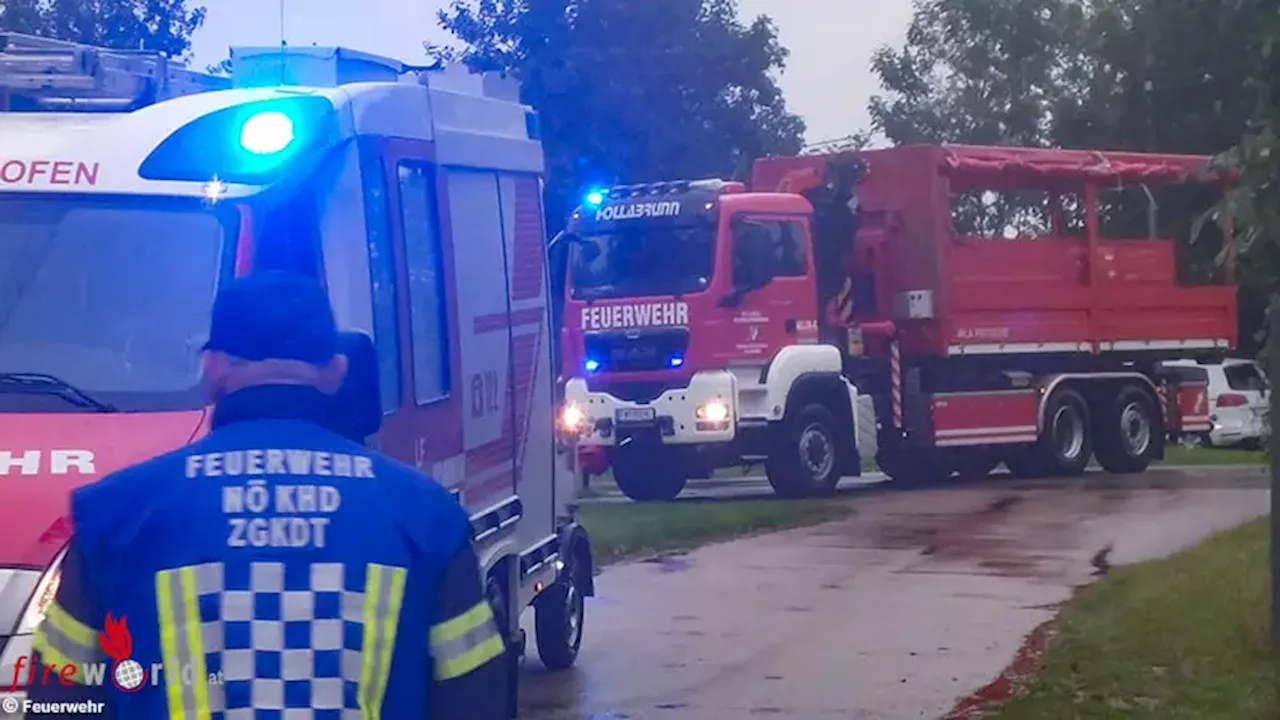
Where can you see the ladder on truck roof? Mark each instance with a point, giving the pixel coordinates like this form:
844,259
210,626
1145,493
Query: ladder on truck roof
38,73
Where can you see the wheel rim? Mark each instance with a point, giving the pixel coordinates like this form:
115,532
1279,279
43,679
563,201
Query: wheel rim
1135,427
1068,433
816,451
574,609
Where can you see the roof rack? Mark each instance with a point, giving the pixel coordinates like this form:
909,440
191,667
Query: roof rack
38,73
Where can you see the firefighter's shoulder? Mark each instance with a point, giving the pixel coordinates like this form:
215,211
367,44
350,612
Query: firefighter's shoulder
122,501
429,513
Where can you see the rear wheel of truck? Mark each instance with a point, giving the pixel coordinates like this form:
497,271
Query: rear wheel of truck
804,460
559,613
1127,430
647,474
1066,441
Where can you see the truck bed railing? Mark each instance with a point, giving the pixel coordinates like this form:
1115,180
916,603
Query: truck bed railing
38,73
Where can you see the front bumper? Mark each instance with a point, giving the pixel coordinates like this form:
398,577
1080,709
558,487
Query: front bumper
674,416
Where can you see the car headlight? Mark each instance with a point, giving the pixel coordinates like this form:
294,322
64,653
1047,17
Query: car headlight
42,598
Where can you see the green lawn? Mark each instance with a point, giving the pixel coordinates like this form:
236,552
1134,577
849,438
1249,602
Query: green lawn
1178,455
1181,638
620,530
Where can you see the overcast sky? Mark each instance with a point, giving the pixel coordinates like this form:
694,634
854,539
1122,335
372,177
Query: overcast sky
827,80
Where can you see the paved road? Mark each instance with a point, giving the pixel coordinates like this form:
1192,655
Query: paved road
914,601
757,485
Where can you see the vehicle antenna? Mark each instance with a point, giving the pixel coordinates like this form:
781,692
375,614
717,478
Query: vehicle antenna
283,44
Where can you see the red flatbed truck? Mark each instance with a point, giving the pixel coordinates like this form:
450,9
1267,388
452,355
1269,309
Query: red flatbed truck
945,308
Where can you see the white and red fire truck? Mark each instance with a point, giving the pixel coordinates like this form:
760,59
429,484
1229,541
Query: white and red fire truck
130,188
942,308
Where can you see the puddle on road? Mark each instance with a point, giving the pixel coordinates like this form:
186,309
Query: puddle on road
669,562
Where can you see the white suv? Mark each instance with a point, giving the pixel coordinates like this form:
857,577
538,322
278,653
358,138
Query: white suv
1238,399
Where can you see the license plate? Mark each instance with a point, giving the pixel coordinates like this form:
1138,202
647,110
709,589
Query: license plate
631,416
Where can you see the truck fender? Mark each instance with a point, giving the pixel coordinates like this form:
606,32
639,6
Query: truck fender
490,554
575,540
1090,381
784,371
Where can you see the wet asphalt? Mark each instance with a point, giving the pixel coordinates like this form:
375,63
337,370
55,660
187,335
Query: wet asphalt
914,601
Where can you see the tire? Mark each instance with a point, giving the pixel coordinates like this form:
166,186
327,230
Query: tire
1066,441
805,460
495,592
1127,432
558,619
647,473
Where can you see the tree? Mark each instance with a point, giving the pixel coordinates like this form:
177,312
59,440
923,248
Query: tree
981,71
635,91
162,25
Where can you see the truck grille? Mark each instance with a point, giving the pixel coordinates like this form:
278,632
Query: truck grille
637,351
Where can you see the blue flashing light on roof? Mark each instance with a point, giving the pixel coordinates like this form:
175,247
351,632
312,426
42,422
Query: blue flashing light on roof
591,365
266,133
595,197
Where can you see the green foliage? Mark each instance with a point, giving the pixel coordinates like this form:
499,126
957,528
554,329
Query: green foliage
634,91
163,25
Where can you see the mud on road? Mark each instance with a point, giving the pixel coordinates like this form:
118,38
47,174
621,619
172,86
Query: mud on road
914,601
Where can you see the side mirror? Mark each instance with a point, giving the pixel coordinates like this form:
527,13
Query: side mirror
357,406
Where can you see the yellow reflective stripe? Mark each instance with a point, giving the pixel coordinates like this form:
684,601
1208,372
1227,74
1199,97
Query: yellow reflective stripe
182,645
462,624
460,665
71,628
383,596
195,644
464,643
50,655
169,643
64,641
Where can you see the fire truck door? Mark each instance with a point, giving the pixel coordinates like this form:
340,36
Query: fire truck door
783,311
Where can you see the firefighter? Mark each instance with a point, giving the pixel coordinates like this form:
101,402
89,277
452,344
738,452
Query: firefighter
272,565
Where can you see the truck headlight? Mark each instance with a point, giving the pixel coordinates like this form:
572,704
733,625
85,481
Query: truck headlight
572,419
42,598
712,415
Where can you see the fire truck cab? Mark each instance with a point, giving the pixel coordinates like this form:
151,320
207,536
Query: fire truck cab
130,189
944,309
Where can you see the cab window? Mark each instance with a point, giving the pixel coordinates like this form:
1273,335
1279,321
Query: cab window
785,239
429,332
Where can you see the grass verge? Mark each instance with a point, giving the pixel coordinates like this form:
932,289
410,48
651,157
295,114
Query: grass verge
1185,637
1178,455
625,530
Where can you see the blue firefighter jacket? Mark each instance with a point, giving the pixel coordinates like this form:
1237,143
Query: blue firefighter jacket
273,566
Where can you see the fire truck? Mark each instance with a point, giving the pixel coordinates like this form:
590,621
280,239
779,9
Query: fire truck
943,309
131,188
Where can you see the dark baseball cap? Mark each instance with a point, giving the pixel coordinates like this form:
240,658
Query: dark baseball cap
274,315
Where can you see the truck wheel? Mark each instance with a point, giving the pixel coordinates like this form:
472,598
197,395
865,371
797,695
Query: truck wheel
558,618
805,458
1066,442
495,592
647,474
1127,432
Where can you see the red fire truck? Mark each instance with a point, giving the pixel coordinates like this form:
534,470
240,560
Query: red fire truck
943,308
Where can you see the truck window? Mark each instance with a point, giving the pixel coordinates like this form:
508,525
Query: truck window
110,295
382,277
423,260
788,242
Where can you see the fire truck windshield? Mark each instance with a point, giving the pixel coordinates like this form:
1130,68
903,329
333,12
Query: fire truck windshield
111,297
647,260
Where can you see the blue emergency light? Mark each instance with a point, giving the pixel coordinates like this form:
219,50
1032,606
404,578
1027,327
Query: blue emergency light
266,133
591,365
595,197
